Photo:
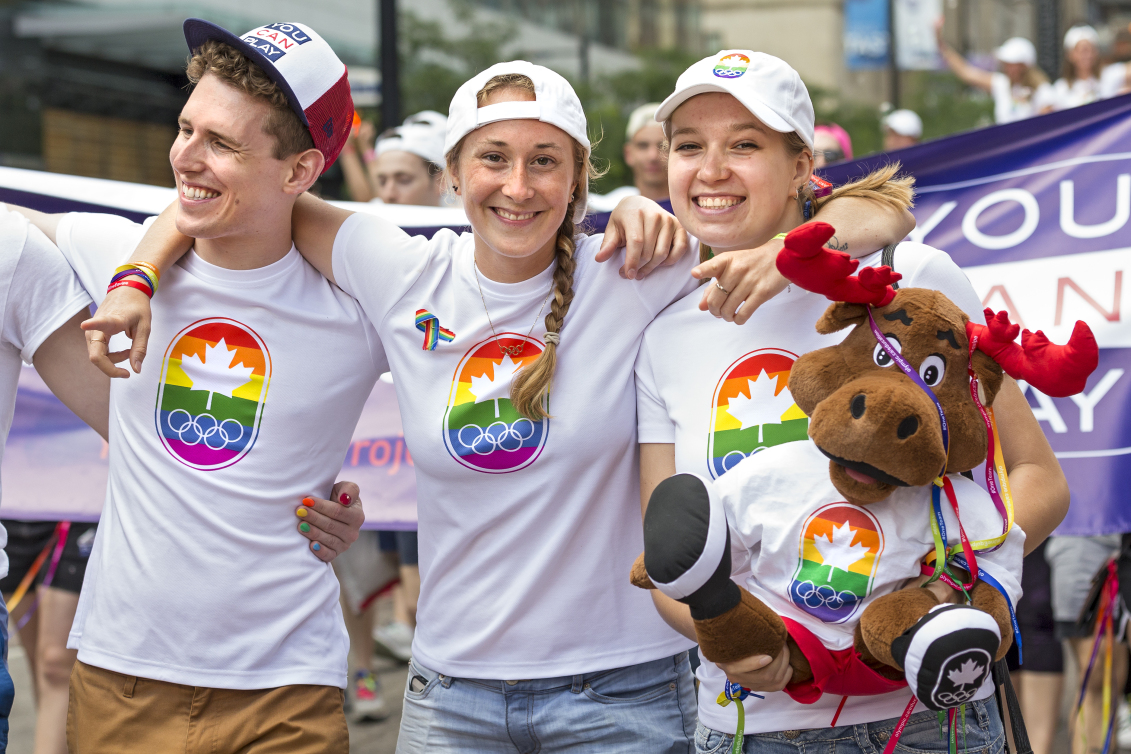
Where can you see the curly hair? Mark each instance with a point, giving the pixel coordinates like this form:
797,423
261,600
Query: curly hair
235,69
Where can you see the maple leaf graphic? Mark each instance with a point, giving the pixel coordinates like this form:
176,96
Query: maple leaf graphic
761,406
497,385
216,373
967,674
839,552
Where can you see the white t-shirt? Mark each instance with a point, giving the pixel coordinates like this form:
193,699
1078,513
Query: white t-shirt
788,522
527,530
1113,80
38,294
1063,95
746,368
1015,102
254,382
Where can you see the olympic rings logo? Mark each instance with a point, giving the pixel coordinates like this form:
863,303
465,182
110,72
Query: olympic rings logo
955,698
497,436
204,428
812,596
734,457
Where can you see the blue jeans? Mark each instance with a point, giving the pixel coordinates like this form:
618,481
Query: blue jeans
7,688
641,708
983,735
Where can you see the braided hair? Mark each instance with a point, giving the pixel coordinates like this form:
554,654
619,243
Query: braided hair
531,386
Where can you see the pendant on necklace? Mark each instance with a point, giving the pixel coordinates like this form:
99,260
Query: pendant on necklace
512,350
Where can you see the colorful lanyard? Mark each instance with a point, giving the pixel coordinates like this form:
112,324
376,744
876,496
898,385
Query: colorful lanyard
733,692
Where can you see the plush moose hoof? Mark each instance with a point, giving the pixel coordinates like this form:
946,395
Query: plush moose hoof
948,655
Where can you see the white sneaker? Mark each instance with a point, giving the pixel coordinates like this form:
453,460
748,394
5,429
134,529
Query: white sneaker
368,703
1123,725
396,638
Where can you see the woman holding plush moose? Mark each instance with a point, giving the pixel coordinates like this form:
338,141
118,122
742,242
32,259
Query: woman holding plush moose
740,126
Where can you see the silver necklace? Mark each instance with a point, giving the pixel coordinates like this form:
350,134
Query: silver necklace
512,350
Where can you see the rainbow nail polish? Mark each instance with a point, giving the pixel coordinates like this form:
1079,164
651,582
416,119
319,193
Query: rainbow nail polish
316,547
301,512
304,527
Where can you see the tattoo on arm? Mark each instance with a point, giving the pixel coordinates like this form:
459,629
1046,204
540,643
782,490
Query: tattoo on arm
836,245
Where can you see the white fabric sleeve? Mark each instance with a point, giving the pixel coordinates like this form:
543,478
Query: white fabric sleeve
666,284
95,244
377,263
653,424
42,292
927,267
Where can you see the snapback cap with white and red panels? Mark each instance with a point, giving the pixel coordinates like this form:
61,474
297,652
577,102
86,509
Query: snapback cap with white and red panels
305,68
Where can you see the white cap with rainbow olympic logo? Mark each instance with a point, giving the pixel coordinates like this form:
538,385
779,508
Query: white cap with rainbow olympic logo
766,86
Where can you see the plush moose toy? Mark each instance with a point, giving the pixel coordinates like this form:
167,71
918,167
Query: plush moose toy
834,529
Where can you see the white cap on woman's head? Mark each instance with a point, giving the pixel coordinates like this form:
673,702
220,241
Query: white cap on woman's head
1078,34
1017,50
430,117
766,86
555,103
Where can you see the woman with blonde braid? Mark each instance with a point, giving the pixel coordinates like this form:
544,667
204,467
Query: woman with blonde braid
512,349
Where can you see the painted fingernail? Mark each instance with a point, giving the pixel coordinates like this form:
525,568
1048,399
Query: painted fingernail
316,547
301,512
308,501
304,527
344,499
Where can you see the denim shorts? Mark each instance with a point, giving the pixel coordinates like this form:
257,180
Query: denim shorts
649,707
982,734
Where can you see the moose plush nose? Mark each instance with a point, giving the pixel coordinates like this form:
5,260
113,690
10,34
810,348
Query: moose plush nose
907,427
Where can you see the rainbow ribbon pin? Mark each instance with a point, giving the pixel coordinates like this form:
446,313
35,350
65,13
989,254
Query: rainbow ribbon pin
429,324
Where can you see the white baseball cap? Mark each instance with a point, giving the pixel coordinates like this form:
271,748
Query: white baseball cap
766,86
303,65
431,117
904,123
1078,34
555,103
645,115
1017,50
420,138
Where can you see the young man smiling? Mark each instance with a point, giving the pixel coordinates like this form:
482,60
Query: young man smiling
202,623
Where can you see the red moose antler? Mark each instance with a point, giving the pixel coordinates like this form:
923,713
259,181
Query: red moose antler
805,261
1059,371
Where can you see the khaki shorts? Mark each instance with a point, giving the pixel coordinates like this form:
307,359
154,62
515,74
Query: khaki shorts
111,713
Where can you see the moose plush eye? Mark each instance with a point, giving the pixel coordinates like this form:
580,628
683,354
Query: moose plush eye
880,356
933,369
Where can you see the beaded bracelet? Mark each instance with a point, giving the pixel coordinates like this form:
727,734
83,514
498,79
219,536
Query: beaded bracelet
132,284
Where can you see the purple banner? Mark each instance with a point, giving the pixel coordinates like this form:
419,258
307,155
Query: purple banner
1037,213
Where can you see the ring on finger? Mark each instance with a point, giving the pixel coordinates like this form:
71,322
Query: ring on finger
724,290
93,339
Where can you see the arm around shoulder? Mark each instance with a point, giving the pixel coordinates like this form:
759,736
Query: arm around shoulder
314,227
62,362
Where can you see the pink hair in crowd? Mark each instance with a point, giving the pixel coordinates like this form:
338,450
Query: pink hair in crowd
840,135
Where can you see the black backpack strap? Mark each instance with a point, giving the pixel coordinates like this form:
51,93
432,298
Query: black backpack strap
887,259
1016,721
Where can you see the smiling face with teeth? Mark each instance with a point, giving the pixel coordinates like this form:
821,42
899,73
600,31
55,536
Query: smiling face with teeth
733,180
516,178
235,195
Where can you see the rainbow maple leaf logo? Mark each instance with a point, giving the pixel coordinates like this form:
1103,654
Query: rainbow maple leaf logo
839,551
496,385
761,406
216,373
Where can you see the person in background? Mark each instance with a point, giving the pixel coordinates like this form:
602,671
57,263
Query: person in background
644,153
404,166
831,143
1073,562
1080,82
1114,79
1039,679
902,128
1015,89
